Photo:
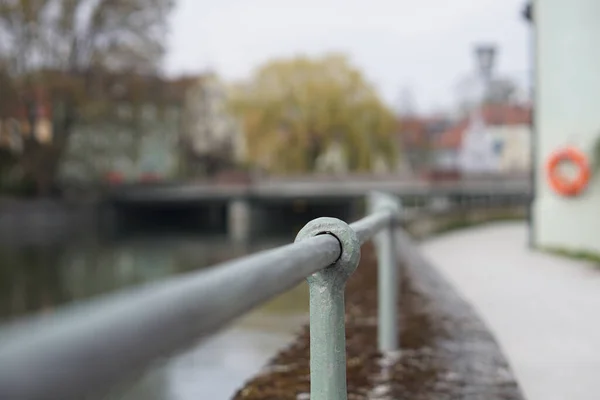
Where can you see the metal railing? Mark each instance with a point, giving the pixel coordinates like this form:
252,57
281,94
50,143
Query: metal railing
85,349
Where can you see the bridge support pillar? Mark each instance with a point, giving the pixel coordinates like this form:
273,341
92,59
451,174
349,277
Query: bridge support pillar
239,220
108,218
566,96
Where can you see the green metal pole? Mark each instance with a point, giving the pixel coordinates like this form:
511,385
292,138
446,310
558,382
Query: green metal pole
327,316
388,291
388,277
327,340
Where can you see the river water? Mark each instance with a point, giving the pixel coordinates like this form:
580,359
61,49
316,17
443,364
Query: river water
41,278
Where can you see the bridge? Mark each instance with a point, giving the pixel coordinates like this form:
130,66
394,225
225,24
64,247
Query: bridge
268,205
318,187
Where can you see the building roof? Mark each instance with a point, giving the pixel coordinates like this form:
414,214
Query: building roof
452,138
493,115
415,131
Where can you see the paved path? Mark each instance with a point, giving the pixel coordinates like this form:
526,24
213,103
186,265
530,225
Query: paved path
543,309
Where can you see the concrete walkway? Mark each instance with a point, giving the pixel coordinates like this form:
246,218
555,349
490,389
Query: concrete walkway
543,309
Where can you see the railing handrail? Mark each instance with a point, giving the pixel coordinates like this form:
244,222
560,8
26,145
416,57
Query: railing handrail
84,349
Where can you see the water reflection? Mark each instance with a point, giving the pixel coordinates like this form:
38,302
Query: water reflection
193,375
39,279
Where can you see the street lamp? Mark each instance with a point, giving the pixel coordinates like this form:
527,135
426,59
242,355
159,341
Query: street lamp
486,57
527,12
480,143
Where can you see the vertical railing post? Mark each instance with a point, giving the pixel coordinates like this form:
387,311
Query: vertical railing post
327,313
388,276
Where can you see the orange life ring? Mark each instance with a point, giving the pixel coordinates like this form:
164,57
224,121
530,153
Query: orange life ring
559,183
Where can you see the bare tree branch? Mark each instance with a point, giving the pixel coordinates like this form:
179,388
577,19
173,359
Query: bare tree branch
64,46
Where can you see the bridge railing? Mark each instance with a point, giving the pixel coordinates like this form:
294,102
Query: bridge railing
84,350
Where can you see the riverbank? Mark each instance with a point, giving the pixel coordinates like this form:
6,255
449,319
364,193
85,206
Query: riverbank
447,352
44,221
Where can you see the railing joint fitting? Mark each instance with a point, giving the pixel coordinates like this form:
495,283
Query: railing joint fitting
349,257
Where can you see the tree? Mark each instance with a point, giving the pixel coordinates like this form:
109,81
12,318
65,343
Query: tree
62,47
293,110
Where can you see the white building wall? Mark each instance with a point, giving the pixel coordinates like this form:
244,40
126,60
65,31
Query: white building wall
515,153
477,150
568,103
209,124
95,149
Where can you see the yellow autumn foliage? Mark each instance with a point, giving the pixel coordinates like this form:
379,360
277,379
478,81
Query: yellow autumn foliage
293,110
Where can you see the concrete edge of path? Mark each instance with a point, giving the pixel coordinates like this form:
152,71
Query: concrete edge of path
469,347
542,308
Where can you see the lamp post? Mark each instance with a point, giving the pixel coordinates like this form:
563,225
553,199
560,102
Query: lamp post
527,15
527,12
485,56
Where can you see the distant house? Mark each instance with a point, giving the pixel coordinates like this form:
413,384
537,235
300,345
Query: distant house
446,148
498,141
213,137
417,136
479,152
32,119
135,136
510,128
125,126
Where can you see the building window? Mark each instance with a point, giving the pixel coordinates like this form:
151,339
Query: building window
124,111
149,113
498,146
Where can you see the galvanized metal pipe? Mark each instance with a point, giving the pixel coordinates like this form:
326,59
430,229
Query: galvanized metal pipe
367,227
88,348
327,312
85,350
388,276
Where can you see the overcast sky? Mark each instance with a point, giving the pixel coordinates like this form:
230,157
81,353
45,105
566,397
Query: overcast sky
424,45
